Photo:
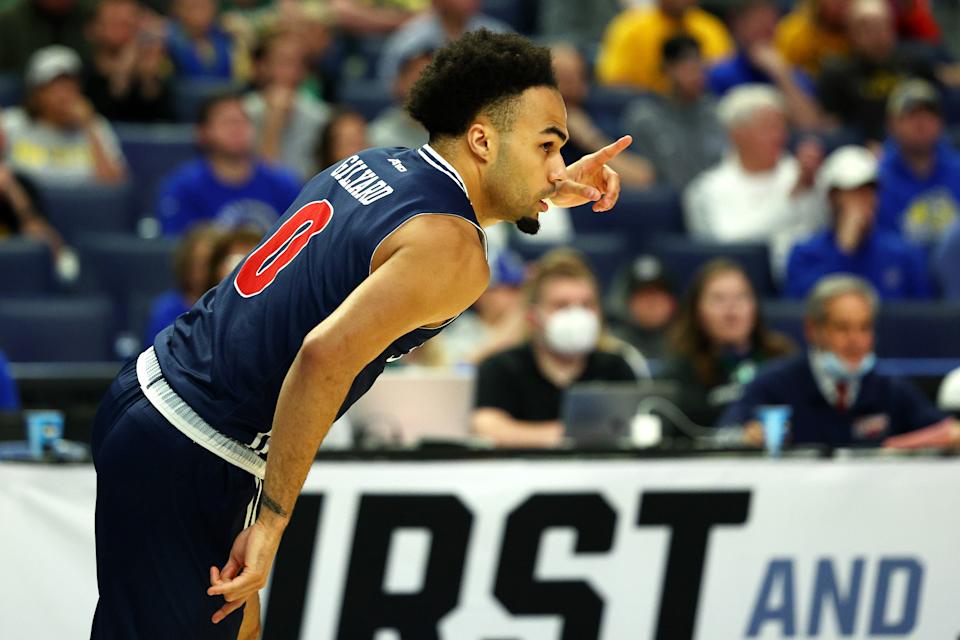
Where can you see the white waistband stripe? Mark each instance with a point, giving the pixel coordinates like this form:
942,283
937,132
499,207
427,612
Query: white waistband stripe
178,413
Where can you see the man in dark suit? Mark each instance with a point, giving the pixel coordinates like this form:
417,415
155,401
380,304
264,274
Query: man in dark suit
835,395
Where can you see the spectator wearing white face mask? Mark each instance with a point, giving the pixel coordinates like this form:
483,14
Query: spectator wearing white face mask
520,391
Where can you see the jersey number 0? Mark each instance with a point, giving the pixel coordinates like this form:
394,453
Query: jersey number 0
261,267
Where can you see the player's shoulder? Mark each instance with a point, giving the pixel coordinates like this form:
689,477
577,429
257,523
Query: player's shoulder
446,235
452,246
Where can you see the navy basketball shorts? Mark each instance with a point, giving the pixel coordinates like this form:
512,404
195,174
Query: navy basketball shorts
167,510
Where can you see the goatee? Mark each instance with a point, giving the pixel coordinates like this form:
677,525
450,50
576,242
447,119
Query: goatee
528,225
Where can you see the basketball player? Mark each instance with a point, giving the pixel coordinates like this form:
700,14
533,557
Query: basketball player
374,257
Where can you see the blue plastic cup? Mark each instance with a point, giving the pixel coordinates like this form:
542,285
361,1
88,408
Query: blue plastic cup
774,418
44,430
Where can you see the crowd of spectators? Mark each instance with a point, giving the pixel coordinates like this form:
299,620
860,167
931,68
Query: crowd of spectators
824,133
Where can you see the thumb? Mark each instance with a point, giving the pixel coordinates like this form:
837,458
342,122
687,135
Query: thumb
231,569
571,187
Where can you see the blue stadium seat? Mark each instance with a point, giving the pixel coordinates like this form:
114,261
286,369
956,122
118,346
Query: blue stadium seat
785,316
607,105
519,14
122,266
606,253
74,211
951,106
57,329
366,96
639,215
28,267
682,257
898,326
189,95
11,89
153,151
918,330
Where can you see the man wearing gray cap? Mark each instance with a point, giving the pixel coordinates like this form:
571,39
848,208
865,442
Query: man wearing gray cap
920,172
57,137
853,243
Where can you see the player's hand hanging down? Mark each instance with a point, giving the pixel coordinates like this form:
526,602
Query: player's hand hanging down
589,179
247,569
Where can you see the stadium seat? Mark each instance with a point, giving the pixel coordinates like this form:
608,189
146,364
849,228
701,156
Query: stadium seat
123,265
28,267
951,106
152,153
11,89
898,326
189,95
785,316
519,14
607,253
366,96
57,329
918,330
639,215
607,105
74,211
682,257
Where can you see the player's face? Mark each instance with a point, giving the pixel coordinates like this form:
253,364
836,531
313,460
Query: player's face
847,330
528,164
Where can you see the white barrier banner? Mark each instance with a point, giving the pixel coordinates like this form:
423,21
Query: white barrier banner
572,549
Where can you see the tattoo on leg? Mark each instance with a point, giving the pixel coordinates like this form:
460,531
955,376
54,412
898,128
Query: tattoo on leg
273,505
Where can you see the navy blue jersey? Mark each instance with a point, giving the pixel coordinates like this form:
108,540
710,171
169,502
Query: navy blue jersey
228,355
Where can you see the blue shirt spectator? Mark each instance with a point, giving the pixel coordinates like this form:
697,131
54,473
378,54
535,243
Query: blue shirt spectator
197,47
190,62
757,61
229,185
733,72
854,244
897,269
9,398
195,193
919,173
836,397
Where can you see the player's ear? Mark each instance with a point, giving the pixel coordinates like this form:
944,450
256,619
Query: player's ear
481,138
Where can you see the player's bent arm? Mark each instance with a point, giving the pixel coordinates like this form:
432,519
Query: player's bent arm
428,272
504,431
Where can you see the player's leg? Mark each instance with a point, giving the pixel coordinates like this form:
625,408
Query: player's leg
167,510
250,629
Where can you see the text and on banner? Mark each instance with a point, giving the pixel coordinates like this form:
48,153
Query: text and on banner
572,549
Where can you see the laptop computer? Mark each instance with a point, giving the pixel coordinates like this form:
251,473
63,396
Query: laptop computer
409,406
599,414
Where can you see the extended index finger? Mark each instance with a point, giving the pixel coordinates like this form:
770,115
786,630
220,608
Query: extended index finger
612,150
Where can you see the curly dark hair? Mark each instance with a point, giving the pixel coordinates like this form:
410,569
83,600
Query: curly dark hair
479,72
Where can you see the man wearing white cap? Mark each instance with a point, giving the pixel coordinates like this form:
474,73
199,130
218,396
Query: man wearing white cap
853,244
57,137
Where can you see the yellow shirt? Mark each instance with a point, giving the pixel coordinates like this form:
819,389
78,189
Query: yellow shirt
804,43
631,50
